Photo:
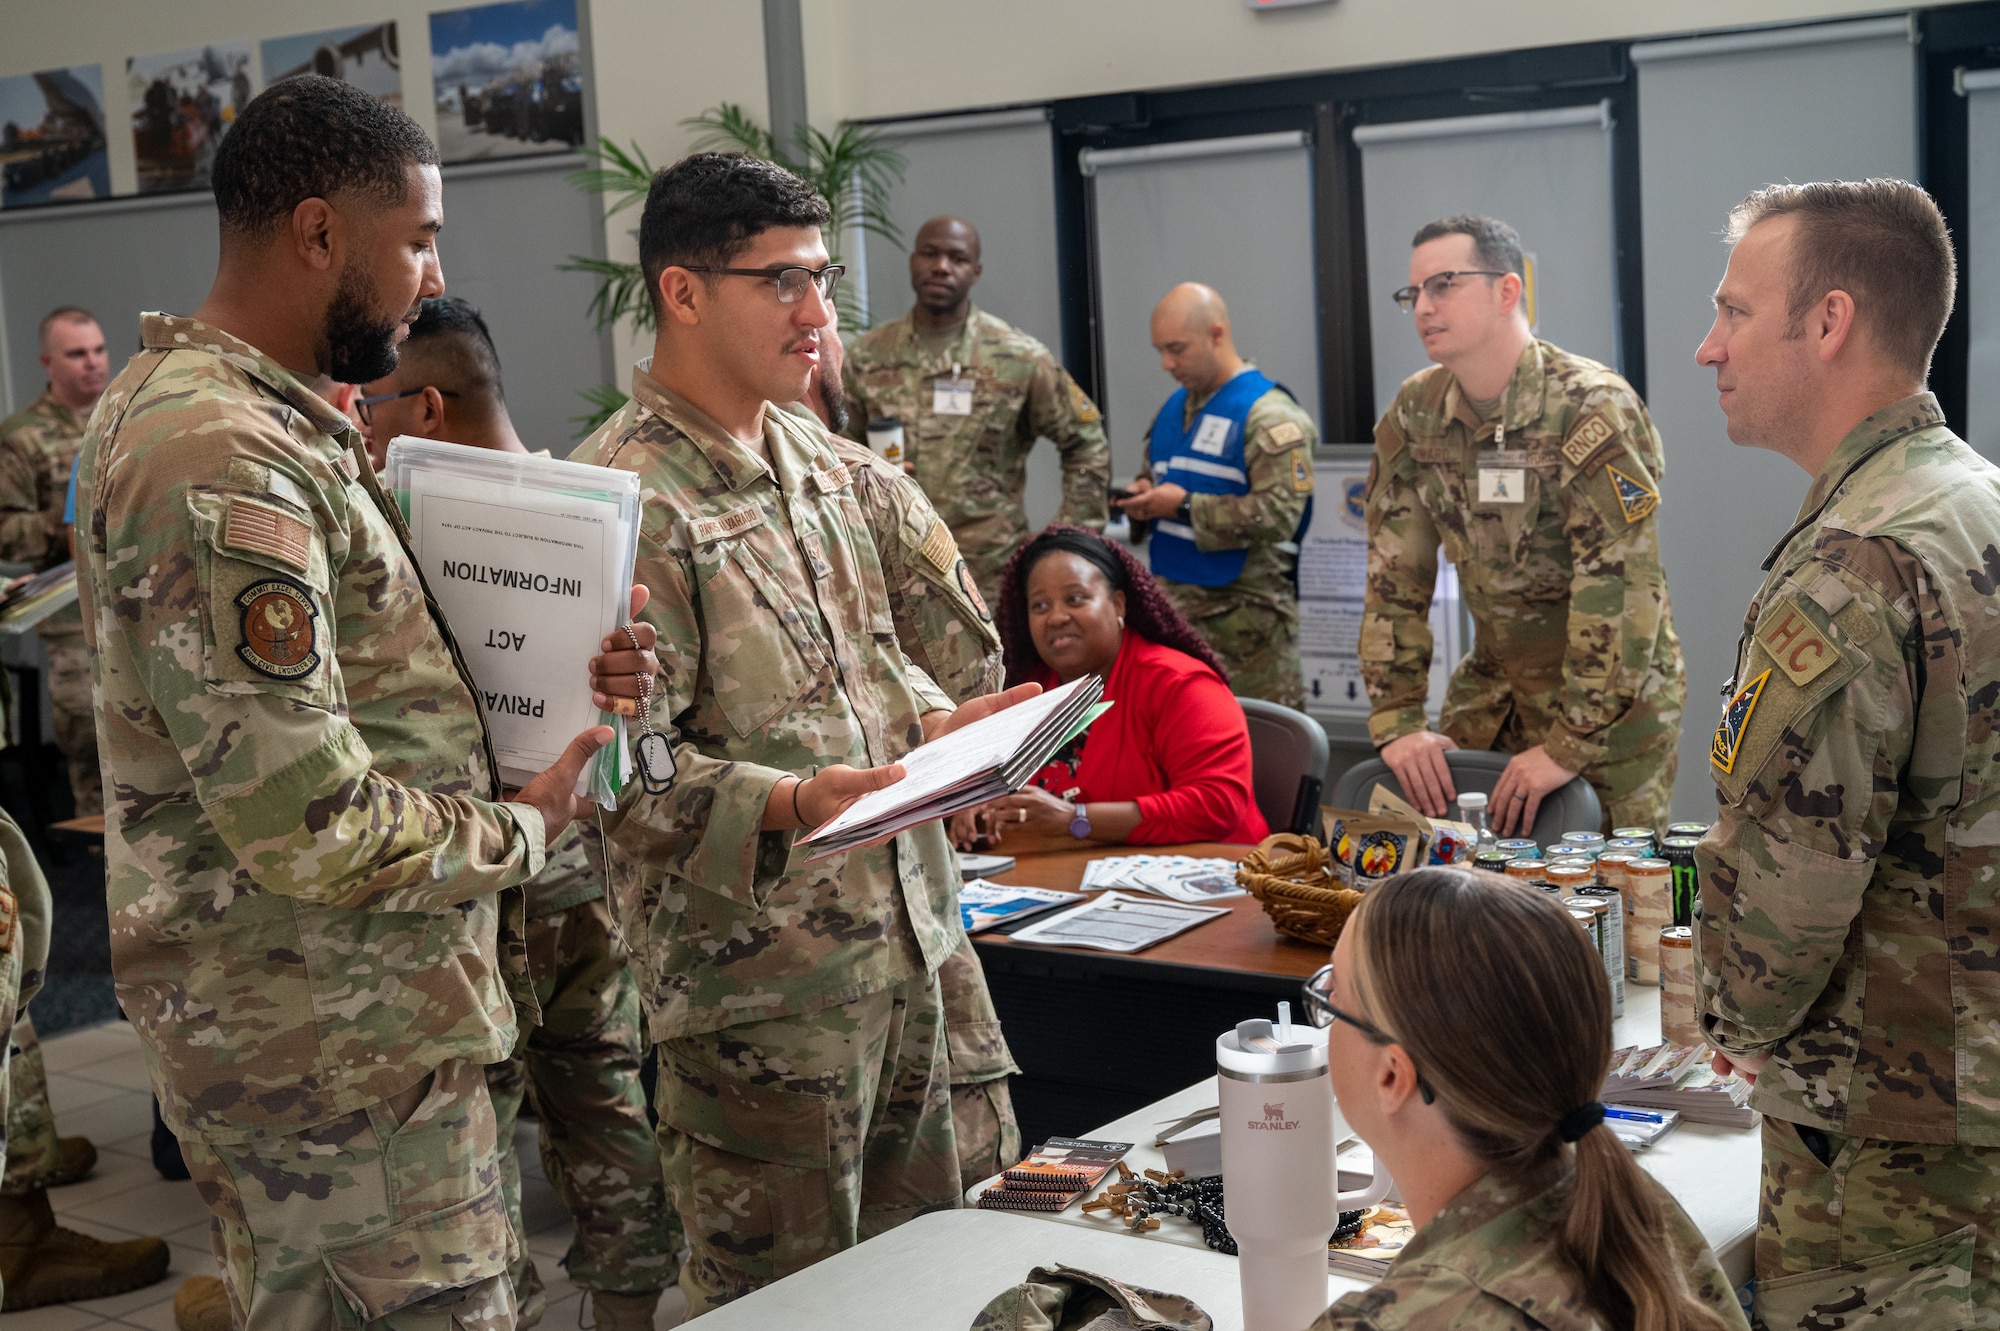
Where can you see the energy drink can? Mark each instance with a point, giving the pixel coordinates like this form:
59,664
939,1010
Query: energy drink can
1611,928
1587,844
1679,852
1519,848
1492,861
1695,830
1528,871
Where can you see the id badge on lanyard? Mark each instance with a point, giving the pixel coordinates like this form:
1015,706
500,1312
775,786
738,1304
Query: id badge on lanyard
951,395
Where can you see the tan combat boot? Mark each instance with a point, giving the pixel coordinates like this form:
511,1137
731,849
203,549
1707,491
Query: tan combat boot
79,1157
623,1312
202,1304
41,1262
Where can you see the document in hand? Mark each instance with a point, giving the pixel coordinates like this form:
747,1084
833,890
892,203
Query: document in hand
531,559
27,601
993,756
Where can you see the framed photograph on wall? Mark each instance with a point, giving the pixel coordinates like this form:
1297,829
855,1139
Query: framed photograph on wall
52,144
182,104
366,56
507,79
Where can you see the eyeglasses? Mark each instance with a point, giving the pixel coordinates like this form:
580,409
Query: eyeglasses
792,282
1438,285
364,407
1317,992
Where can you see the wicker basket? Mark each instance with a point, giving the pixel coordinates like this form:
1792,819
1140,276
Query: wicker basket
1292,877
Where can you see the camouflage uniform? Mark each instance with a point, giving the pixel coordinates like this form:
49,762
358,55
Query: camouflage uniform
316,917
1847,925
37,446
580,1065
34,1153
1489,1262
975,467
1253,623
803,1089
1573,639
24,954
943,626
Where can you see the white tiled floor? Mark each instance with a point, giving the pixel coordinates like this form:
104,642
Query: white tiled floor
97,1084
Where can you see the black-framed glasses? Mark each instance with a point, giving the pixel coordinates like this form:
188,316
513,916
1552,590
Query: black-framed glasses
364,407
1438,285
1317,992
791,281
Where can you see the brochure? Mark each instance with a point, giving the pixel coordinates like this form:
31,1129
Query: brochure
1115,922
983,905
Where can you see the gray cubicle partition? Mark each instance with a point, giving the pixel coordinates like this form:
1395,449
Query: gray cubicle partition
1235,213
508,226
996,170
1719,117
1546,173
1980,254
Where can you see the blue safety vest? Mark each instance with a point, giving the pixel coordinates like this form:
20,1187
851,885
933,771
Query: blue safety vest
1205,459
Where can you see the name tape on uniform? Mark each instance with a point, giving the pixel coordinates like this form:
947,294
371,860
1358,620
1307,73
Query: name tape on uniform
1796,644
737,520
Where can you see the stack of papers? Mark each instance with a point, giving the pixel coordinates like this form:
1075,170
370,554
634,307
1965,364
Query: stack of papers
1115,922
26,602
1639,1128
1385,1232
982,904
531,560
972,865
1679,1078
993,756
1176,877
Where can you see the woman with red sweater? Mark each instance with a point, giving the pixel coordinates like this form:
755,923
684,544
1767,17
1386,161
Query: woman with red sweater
1170,762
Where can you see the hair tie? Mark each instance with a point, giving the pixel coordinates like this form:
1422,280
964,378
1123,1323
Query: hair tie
1579,1121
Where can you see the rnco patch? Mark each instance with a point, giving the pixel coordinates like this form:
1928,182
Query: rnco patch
1586,439
1728,740
279,628
939,548
971,590
1636,499
1796,644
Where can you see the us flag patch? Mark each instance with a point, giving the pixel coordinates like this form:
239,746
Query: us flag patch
1728,740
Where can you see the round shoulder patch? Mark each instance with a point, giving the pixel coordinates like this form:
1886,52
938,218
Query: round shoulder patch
971,590
280,630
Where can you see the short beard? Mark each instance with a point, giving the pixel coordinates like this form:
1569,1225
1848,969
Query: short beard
833,403
361,345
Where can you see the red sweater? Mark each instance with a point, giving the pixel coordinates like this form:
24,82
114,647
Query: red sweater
1176,741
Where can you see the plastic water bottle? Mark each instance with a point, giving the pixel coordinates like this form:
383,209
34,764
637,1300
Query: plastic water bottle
1472,809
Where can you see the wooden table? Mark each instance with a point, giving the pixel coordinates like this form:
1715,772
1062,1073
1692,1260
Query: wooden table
1100,1034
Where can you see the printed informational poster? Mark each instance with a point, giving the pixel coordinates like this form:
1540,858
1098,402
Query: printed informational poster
530,581
1333,584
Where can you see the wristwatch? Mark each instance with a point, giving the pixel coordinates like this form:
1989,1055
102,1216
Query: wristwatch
1079,826
1185,513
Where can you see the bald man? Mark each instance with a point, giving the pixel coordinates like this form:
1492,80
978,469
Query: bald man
972,394
1227,481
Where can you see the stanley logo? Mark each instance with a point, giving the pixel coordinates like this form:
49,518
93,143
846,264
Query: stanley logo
1274,1120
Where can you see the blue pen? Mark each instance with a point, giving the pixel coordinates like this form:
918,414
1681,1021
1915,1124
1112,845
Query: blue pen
1635,1115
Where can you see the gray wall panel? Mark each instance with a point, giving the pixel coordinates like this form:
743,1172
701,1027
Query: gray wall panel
1711,129
1001,178
505,233
1552,184
1979,251
1241,224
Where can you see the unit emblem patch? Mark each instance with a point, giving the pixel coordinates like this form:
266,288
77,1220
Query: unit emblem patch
1636,499
1796,644
1728,740
971,590
280,632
